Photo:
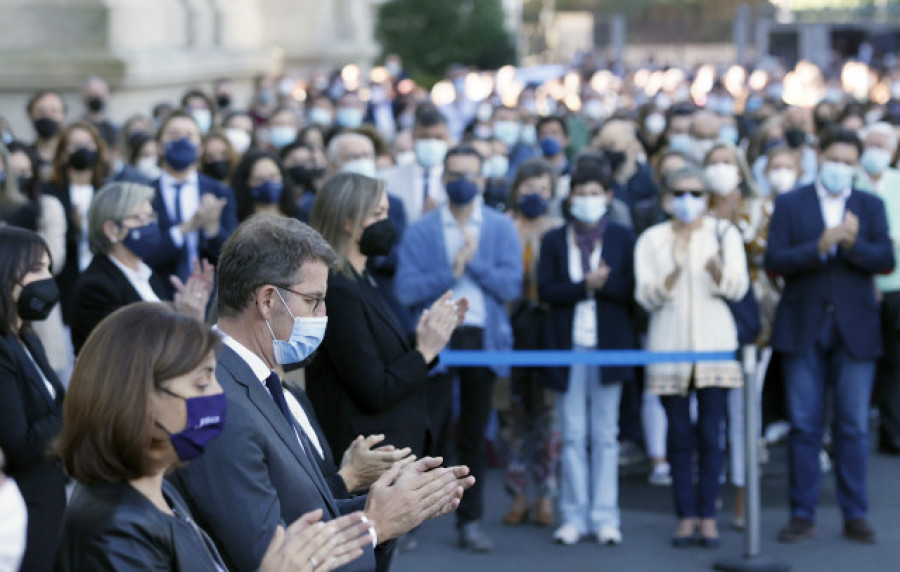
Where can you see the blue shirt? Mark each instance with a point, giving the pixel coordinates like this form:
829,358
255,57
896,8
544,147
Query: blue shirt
464,286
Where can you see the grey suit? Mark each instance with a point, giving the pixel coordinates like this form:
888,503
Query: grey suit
255,476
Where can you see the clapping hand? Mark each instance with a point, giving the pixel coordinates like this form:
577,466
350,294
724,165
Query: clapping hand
436,325
363,464
596,279
466,253
311,545
191,297
714,268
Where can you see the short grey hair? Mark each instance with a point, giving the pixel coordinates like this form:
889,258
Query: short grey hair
334,146
113,202
881,128
265,249
689,171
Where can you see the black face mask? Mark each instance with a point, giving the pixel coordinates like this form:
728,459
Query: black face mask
46,127
304,176
794,137
24,184
616,158
216,169
223,101
378,238
37,300
83,159
96,104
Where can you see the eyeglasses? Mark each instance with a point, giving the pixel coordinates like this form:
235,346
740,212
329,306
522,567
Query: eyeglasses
695,194
310,300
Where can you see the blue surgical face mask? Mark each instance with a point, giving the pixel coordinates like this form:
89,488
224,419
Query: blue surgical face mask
836,177
533,205
875,160
688,208
430,152
306,336
203,117
507,132
349,117
180,154
282,135
729,134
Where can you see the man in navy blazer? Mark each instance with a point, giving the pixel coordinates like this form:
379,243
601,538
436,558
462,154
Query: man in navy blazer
263,470
196,213
827,240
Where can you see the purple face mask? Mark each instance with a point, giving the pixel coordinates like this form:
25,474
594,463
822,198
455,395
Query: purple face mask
205,422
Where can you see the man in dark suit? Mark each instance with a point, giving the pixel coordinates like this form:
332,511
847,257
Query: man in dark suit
262,471
196,213
827,240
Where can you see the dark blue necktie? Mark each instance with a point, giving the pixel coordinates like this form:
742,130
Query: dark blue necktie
178,216
426,182
273,384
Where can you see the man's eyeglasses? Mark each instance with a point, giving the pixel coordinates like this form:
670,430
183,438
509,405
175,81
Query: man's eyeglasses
311,301
141,218
695,194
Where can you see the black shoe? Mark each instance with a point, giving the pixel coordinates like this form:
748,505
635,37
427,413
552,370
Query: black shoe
796,530
709,541
858,530
472,537
683,541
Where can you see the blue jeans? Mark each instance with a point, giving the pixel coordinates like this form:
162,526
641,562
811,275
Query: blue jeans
695,498
589,488
807,374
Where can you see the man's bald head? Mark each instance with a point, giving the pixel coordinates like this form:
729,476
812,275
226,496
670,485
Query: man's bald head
616,135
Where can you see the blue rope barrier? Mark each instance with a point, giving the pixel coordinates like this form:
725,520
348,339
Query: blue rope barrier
562,358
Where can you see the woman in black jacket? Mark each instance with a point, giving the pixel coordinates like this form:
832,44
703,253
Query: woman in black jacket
368,377
143,398
31,395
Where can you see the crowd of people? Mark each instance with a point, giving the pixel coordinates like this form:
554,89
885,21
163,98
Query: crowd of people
224,324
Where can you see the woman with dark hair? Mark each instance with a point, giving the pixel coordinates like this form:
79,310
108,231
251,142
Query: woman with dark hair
531,427
259,187
305,167
585,275
218,158
32,396
144,397
368,377
79,170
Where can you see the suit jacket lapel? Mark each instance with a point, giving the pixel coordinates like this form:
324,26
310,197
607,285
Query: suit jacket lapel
262,400
817,220
376,301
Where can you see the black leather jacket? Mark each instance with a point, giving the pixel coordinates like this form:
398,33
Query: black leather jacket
111,526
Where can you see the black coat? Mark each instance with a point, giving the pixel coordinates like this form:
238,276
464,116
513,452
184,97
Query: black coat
367,378
67,277
29,421
111,526
101,290
615,330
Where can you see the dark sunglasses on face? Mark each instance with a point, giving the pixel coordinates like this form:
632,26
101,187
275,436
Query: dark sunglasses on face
695,194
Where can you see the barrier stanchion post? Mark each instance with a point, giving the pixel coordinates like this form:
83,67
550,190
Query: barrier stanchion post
752,560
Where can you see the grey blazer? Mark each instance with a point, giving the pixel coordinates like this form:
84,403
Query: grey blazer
255,476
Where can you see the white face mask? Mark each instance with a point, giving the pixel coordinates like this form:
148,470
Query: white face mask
721,178
430,152
406,158
239,139
588,210
149,167
655,123
495,167
700,147
306,336
365,167
782,179
13,524
688,208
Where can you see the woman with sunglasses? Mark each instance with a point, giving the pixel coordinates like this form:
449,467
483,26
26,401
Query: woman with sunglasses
144,398
122,231
684,273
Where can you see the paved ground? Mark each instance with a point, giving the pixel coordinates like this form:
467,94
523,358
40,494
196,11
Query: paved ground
648,521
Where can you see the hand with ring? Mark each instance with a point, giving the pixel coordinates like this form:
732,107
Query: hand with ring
310,545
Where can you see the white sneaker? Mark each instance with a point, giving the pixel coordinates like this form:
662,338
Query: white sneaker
661,476
609,536
567,534
824,462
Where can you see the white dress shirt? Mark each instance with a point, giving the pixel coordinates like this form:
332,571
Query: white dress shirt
832,205
465,286
81,197
139,278
189,202
584,323
435,185
262,372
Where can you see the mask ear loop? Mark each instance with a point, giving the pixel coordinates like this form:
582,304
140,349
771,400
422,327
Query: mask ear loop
280,297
